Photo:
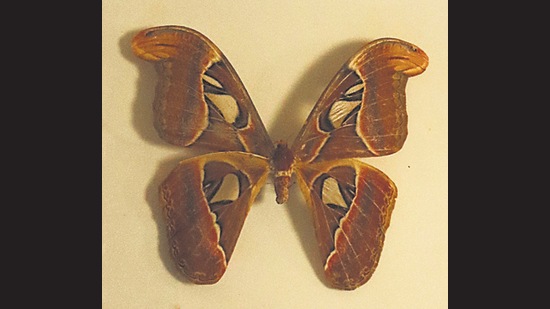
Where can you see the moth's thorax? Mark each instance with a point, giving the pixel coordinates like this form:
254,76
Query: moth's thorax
282,164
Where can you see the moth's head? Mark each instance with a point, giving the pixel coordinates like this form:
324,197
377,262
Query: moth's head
158,43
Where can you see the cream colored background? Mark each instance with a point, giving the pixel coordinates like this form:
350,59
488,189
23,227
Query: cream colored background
285,52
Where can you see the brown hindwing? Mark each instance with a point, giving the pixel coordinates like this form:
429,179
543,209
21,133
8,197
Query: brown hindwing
202,228
350,219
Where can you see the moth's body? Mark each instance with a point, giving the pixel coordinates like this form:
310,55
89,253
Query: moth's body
282,164
201,101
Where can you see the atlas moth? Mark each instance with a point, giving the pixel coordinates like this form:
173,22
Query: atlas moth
200,101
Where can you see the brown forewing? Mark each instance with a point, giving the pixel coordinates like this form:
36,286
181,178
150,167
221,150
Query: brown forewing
202,235
184,115
362,111
350,238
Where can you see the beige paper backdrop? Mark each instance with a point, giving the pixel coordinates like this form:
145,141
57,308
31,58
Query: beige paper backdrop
285,52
